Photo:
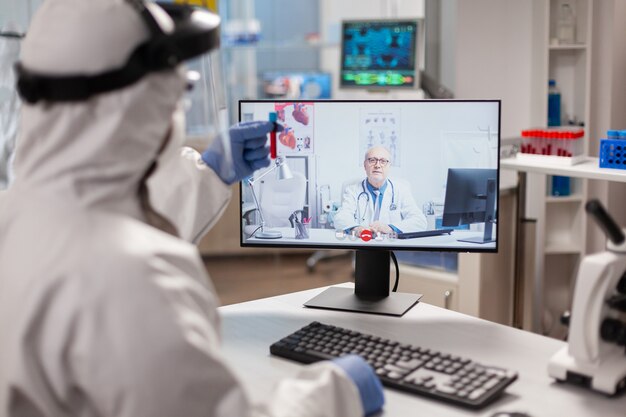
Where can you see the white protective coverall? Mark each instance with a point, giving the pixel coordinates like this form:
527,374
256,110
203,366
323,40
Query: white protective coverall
102,314
357,208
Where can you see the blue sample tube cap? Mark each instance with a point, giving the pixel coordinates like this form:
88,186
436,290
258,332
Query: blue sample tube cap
613,134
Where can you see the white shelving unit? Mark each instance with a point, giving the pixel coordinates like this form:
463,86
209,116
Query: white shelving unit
561,221
563,236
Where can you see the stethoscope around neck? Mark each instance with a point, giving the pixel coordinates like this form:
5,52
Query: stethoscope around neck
361,213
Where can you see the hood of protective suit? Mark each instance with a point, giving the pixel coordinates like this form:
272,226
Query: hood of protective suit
95,151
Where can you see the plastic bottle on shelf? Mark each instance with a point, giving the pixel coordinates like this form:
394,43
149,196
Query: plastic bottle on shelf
566,24
554,104
560,186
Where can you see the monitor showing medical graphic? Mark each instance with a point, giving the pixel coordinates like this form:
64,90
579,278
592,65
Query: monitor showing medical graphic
375,177
379,54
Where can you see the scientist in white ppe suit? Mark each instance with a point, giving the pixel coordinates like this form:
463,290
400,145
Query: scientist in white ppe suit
105,308
378,203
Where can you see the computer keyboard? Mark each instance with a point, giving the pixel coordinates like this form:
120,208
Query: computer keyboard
405,367
425,233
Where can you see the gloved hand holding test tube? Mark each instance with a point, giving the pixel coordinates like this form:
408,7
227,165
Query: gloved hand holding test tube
248,152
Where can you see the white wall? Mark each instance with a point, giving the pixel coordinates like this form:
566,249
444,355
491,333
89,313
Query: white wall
608,102
493,57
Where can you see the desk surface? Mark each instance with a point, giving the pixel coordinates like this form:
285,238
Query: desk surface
325,237
250,328
589,168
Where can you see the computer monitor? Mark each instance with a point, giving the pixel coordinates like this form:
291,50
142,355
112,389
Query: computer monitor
340,153
379,54
471,198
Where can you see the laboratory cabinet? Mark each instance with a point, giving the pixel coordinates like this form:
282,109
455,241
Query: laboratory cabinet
562,45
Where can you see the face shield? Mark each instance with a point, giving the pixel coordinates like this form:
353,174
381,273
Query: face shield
177,33
9,104
205,105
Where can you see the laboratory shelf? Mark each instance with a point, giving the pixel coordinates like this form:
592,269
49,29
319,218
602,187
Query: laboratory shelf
576,198
589,169
571,47
560,248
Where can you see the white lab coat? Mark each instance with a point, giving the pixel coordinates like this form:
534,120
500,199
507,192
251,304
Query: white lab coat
102,314
357,208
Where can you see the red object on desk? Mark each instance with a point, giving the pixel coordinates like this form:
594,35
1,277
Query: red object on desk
273,136
366,235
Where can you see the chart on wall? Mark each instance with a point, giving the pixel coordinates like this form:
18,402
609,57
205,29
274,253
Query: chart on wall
381,128
298,121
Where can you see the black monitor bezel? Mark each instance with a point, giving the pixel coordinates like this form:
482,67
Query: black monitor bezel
477,249
416,70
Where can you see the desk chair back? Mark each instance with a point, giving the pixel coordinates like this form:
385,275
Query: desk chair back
280,198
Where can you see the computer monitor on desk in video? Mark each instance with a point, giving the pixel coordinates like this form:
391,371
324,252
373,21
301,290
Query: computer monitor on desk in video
471,198
368,176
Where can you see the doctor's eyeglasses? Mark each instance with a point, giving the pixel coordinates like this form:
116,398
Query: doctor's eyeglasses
373,161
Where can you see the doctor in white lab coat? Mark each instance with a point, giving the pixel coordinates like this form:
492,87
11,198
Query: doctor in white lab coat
379,203
106,309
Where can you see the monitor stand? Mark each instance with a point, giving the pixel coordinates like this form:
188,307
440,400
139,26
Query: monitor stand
371,289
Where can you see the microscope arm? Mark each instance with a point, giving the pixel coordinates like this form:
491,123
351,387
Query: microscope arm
597,277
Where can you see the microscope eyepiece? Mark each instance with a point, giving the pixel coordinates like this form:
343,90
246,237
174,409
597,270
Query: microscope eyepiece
605,221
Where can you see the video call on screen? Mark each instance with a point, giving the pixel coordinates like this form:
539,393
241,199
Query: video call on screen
324,143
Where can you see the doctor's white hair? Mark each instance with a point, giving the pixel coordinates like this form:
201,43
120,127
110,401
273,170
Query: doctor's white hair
367,152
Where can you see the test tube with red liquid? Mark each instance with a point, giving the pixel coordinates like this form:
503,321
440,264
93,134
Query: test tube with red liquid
273,119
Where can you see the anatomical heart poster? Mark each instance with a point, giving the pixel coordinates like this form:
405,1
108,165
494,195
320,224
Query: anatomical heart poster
297,120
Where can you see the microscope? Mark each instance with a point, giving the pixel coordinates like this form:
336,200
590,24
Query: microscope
595,356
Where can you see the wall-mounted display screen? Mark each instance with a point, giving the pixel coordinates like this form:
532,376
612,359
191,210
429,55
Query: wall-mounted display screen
379,54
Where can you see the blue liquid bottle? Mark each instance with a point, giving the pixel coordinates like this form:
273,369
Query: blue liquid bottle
554,104
560,185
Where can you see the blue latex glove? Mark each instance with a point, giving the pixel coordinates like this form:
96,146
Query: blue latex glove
249,149
362,374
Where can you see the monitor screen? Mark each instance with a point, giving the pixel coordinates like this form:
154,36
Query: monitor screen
379,54
376,176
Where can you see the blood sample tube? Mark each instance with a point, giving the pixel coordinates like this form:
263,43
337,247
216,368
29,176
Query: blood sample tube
273,136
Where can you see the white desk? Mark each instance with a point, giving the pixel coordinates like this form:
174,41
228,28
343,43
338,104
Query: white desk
325,237
250,328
